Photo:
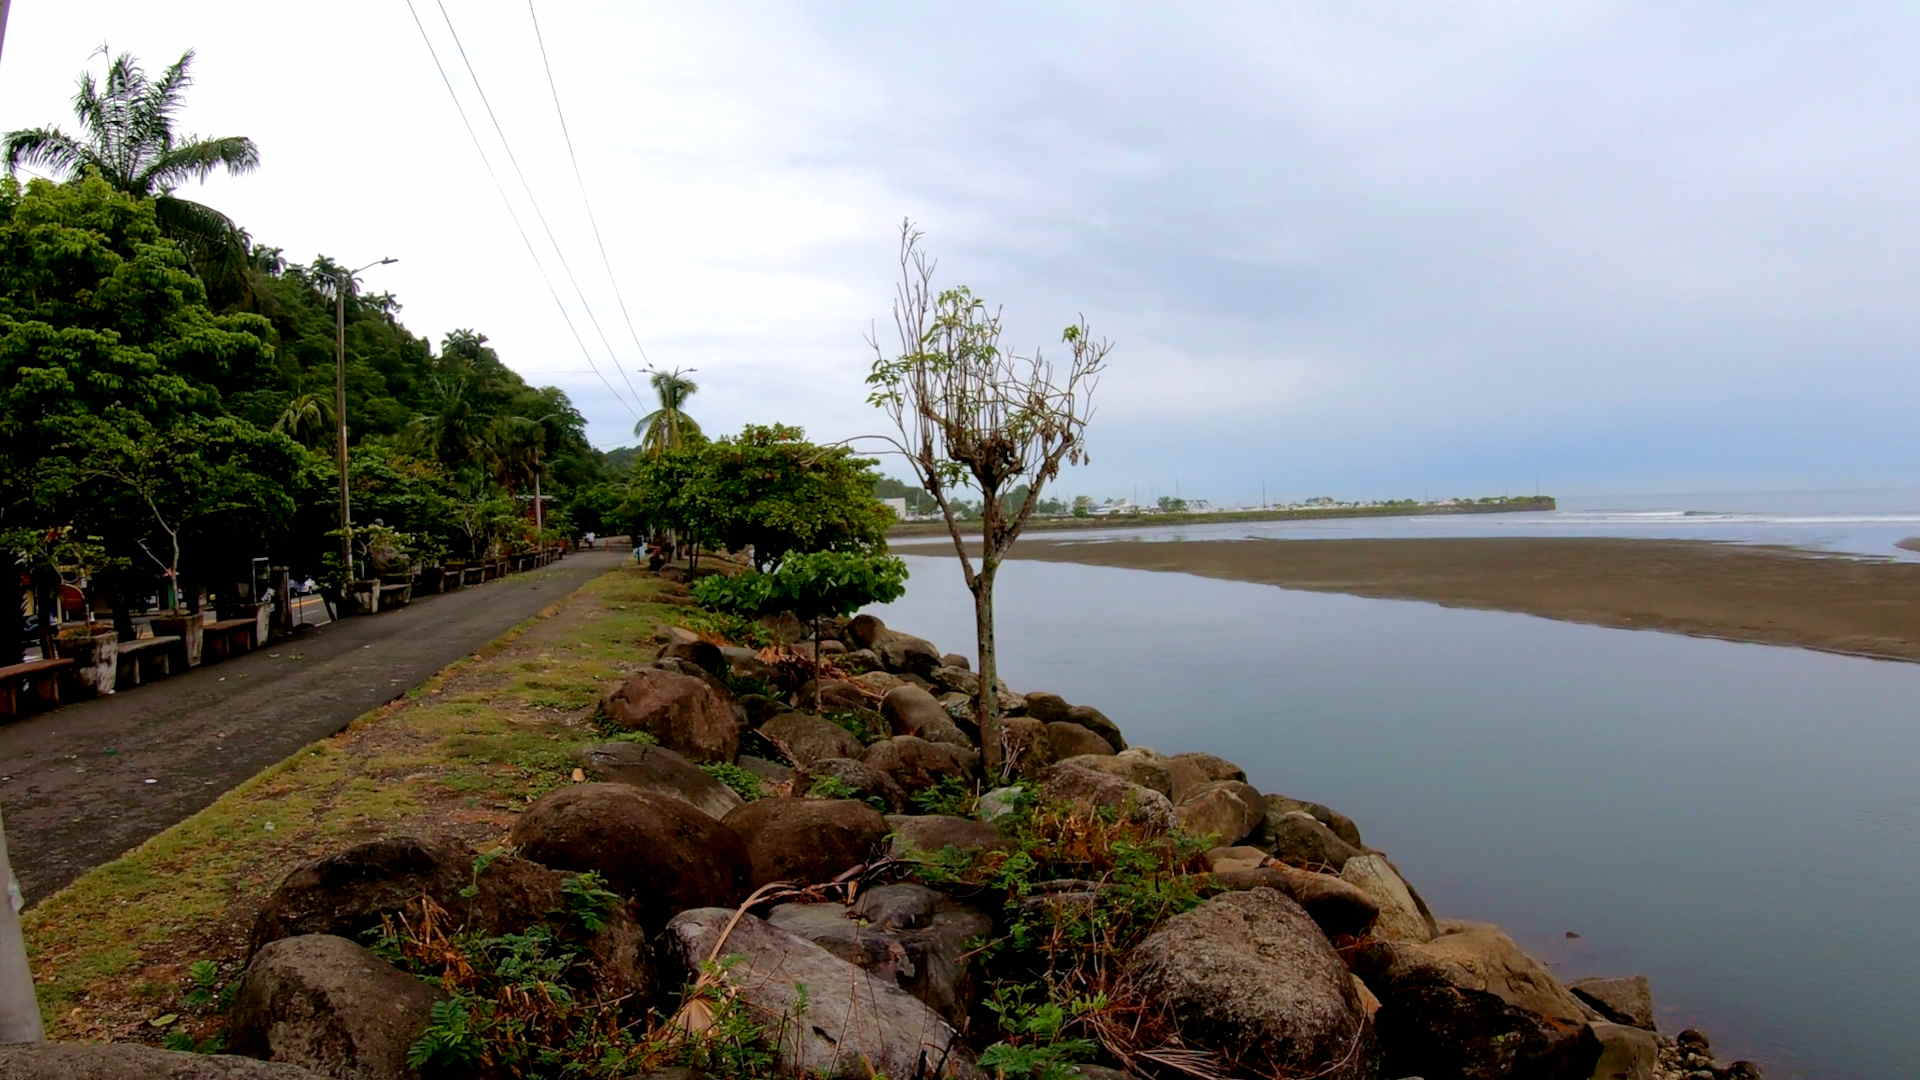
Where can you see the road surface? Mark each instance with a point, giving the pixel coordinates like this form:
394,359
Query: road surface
82,784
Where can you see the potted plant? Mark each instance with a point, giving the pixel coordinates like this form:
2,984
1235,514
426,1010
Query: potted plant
94,649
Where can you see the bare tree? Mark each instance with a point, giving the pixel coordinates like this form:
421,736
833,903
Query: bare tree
971,415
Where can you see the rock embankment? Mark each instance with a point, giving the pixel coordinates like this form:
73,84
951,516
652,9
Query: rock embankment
862,912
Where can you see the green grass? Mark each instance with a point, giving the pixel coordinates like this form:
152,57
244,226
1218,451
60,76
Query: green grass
494,730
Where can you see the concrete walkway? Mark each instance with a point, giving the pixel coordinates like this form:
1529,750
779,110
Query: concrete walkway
82,784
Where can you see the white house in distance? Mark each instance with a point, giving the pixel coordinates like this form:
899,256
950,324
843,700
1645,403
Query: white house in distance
899,505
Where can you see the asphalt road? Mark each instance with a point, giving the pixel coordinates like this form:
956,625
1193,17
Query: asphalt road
82,784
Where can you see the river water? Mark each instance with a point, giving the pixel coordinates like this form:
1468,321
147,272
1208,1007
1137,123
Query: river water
1738,822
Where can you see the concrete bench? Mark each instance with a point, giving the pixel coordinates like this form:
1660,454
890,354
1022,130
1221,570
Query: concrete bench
229,637
144,659
393,596
39,678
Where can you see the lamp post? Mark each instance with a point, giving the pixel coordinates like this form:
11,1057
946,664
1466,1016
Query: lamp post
343,281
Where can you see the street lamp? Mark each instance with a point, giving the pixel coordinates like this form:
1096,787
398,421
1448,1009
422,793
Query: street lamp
343,281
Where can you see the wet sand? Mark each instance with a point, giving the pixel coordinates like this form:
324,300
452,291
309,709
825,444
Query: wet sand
1770,595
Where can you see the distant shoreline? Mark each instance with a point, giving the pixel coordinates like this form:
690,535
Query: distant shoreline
1735,592
1525,504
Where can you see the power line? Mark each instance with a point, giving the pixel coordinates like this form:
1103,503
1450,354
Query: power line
514,216
505,143
581,181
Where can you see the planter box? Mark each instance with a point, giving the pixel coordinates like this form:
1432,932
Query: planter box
185,627
430,580
95,660
366,596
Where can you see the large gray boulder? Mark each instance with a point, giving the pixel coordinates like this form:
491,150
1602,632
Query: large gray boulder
330,1005
910,934
658,771
1627,1000
660,853
908,710
1472,956
1213,766
126,1061
1148,772
916,764
1072,740
855,1025
867,782
898,652
1298,838
1403,915
1248,975
805,841
1229,810
1626,1053
1070,781
1434,1028
1337,907
352,892
1052,708
1342,825
806,739
682,712
931,833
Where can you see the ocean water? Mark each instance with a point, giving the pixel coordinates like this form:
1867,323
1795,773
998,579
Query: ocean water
1740,823
1867,522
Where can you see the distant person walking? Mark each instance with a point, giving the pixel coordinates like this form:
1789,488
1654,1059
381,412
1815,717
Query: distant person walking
589,539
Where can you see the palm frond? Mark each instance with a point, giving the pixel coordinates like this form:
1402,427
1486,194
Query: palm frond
196,160
209,237
162,100
48,149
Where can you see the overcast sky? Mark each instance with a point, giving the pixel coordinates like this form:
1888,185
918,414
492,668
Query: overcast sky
1359,249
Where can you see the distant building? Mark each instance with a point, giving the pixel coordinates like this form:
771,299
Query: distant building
899,506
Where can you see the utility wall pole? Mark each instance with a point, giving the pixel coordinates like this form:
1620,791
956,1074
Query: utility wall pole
341,283
19,1012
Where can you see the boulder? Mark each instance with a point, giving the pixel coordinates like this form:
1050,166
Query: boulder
758,708
999,802
839,694
832,647
863,631
1473,956
916,764
1223,860
1213,767
854,1025
1627,1000
956,680
806,841
349,894
746,663
1626,1052
861,660
1047,708
1299,839
909,709
1130,766
122,1061
323,1002
658,771
1071,782
1184,775
1093,720
936,832
681,712
867,782
705,654
1342,825
1072,740
772,772
906,654
1250,976
679,665
806,739
660,853
909,934
1433,1028
880,682
956,660
1403,915
676,635
1024,740
1229,810
1335,906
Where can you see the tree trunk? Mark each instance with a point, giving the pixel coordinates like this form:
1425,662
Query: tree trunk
986,704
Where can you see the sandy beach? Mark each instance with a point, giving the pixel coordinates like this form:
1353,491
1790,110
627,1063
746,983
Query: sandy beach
1770,595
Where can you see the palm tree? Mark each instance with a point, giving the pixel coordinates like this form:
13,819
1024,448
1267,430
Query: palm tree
668,427
304,416
452,430
130,141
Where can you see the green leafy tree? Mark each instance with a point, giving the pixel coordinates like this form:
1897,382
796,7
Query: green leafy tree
773,491
668,427
813,586
969,415
128,138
